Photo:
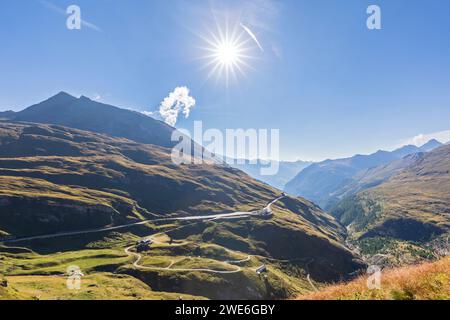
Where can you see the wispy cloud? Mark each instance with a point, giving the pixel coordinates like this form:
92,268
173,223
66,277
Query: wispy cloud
252,35
63,12
261,16
421,139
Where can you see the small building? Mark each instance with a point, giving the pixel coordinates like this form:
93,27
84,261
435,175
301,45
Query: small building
143,245
266,213
262,269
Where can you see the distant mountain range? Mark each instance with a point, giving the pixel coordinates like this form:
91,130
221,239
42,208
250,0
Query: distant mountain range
328,182
287,171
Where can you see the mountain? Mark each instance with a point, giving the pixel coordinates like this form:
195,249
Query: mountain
412,206
55,179
418,196
287,171
326,182
6,114
373,177
430,145
102,179
85,114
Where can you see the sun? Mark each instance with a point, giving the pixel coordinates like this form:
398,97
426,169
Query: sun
227,53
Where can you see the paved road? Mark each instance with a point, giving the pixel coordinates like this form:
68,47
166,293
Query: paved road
169,268
232,215
267,210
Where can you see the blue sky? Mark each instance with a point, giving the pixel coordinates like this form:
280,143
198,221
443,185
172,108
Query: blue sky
332,87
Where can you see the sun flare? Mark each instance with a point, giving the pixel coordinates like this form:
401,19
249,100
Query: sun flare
227,53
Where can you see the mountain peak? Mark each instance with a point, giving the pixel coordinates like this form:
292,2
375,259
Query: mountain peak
430,145
85,114
62,94
62,97
85,98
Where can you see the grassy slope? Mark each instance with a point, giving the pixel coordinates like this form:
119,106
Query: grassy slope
406,218
287,244
420,193
35,275
56,179
49,168
98,286
8,293
194,247
429,281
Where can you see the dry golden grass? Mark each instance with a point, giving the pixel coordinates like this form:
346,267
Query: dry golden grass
99,286
429,281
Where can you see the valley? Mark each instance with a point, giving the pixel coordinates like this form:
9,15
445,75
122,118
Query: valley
170,256
140,227
70,197
405,219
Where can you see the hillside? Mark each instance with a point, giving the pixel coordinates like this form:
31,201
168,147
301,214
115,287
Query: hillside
46,168
429,281
6,114
101,286
85,114
373,177
411,206
56,179
327,182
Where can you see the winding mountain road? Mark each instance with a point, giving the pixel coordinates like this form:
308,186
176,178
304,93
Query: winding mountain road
232,215
266,211
169,268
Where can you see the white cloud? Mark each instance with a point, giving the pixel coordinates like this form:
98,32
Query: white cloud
421,139
177,101
97,97
147,113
